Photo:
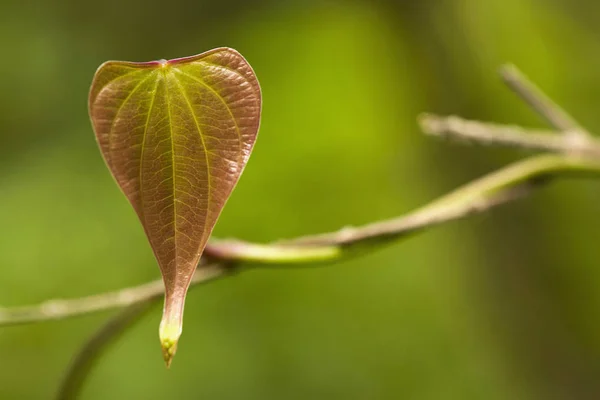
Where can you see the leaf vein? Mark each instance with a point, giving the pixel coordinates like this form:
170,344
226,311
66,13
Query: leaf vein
212,90
142,211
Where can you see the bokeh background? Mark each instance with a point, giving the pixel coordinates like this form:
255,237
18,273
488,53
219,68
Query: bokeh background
501,306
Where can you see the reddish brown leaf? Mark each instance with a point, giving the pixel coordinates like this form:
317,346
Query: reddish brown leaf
176,136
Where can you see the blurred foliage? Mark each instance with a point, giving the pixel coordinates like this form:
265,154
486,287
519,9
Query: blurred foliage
497,307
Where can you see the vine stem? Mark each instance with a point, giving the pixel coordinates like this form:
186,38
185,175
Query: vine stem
224,256
572,157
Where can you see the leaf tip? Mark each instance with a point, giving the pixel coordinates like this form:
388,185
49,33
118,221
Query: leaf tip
169,337
169,348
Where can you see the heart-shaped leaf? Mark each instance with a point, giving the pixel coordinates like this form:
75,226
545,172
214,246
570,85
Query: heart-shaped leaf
176,136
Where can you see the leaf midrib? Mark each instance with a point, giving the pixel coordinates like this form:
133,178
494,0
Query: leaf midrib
168,102
208,168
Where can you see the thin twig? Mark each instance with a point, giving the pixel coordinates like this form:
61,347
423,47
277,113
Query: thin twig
85,359
505,135
475,197
555,115
66,308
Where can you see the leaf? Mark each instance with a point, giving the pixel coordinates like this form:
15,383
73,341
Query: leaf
176,135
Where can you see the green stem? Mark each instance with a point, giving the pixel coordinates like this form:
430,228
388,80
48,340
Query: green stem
471,198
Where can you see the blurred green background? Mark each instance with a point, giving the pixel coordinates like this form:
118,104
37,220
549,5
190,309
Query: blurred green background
502,306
